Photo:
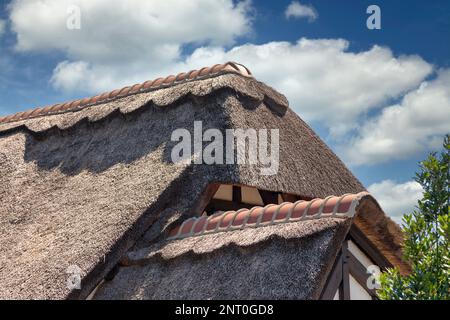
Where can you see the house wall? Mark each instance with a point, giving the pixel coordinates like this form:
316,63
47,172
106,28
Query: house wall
358,272
336,295
358,292
359,254
350,275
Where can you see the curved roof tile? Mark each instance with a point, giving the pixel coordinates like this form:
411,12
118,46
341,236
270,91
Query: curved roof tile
332,206
206,72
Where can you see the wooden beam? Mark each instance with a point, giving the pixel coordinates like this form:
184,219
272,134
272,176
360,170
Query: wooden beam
334,280
268,197
292,197
289,197
345,272
224,205
359,272
237,194
369,248
203,200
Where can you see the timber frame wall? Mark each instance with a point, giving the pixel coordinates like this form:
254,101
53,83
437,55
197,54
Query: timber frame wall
347,264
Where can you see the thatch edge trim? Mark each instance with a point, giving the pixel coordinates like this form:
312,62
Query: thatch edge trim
382,232
147,86
244,88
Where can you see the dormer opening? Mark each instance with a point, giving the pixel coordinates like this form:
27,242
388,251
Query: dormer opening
230,197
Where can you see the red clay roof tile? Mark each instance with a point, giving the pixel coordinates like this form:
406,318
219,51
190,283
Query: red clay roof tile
104,96
158,82
181,76
200,224
35,112
85,101
54,108
135,88
192,74
8,118
17,116
147,84
229,67
335,207
240,217
169,80
216,68
204,71
113,93
75,104
26,114
46,109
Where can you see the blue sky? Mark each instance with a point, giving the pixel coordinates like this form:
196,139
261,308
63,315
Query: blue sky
379,98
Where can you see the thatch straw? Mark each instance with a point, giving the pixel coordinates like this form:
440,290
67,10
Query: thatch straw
291,260
81,187
288,261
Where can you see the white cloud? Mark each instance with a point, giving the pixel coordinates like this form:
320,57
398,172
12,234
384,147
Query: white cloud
122,28
298,10
396,199
416,124
2,27
123,40
68,75
321,78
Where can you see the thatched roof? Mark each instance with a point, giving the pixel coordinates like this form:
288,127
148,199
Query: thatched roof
281,251
286,261
80,184
225,100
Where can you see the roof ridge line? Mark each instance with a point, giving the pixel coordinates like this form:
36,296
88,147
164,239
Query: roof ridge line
147,86
343,206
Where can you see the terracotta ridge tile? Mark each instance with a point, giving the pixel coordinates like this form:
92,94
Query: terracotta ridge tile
150,85
331,207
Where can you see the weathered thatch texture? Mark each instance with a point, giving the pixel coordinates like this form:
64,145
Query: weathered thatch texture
287,261
68,199
384,233
79,188
307,166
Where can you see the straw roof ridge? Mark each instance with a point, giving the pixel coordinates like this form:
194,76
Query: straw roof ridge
150,85
382,231
245,88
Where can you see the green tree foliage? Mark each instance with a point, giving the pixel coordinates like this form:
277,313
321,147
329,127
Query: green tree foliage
427,232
